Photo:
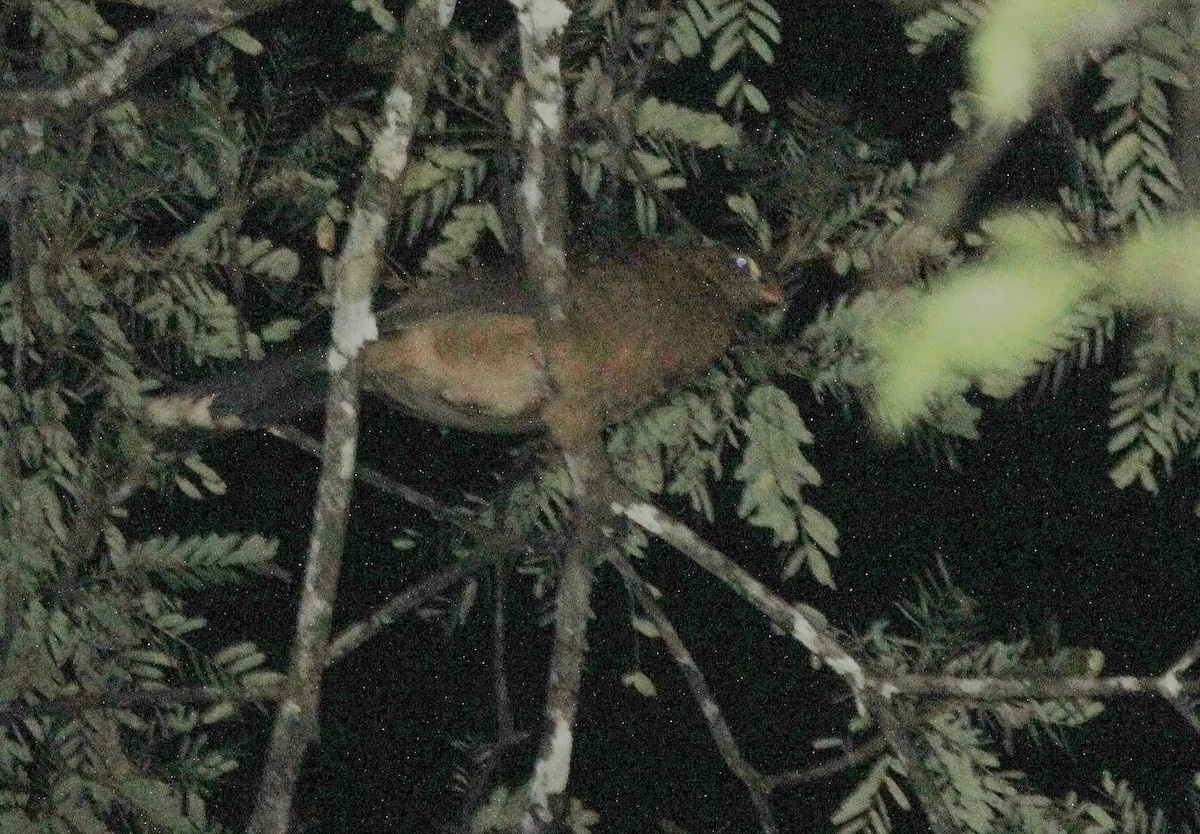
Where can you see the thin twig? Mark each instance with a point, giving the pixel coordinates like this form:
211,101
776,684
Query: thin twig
356,634
506,730
718,727
853,757
492,539
806,626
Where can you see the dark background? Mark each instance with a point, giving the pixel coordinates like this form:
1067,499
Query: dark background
1029,525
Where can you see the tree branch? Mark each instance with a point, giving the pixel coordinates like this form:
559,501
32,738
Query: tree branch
718,727
173,31
808,627
542,216
295,727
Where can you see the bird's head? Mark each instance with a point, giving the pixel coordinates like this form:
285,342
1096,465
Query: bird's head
737,274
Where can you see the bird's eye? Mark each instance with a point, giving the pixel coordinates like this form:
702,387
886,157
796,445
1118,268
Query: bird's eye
746,267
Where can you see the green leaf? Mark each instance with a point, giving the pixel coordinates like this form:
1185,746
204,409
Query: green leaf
644,627
1022,41
820,529
1123,154
241,40
280,330
759,44
188,488
730,43
755,98
157,802
685,35
773,468
638,680
702,130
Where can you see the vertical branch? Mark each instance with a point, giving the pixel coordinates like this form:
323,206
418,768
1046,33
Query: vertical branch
543,216
542,207
572,610
353,325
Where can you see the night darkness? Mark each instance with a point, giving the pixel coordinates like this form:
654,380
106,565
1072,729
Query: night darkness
1029,525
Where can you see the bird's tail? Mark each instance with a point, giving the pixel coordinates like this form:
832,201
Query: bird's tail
266,393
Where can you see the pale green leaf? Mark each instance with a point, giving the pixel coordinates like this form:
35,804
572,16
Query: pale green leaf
642,684
241,40
644,627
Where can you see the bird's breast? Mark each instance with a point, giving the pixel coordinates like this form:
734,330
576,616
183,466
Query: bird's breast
491,365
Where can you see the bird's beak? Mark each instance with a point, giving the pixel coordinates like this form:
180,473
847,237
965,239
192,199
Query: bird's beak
771,293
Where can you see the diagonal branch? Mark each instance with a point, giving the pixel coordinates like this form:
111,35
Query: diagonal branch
138,53
803,624
497,541
718,727
295,727
850,758
356,634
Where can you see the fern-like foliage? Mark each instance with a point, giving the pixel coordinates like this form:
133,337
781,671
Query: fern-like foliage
776,473
135,237
949,19
1138,175
742,26
1131,814
439,179
630,141
958,747
1156,404
978,792
994,324
675,449
867,807
97,643
836,357
872,221
800,173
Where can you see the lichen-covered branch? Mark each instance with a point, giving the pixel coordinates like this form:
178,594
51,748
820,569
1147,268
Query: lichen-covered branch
353,325
542,206
542,216
572,610
172,32
805,626
984,690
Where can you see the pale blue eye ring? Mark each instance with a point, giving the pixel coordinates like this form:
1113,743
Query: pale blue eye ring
747,266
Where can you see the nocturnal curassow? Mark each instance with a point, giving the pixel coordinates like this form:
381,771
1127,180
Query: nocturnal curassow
467,353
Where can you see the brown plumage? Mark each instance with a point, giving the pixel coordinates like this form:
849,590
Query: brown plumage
468,353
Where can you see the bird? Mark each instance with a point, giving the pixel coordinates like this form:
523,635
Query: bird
467,353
